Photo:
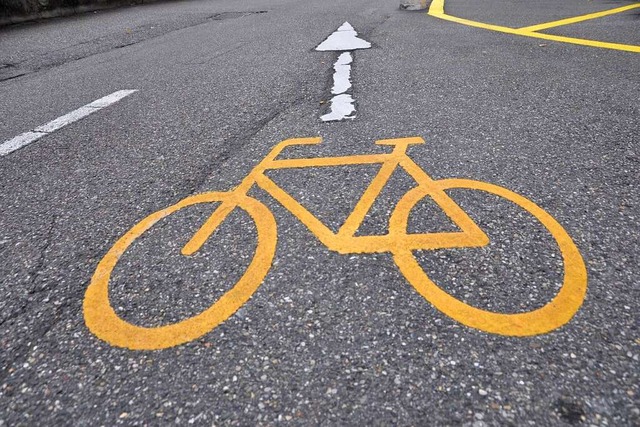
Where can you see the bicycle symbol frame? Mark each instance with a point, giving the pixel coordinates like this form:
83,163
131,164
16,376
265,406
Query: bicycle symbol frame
105,323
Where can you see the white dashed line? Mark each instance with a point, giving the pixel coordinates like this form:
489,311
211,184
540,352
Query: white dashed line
27,138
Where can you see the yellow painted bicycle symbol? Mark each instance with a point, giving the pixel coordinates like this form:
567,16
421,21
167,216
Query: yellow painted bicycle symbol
103,321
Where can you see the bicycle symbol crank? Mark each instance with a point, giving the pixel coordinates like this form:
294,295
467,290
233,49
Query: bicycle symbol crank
103,321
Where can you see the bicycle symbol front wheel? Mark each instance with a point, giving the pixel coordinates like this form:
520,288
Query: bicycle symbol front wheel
553,315
105,323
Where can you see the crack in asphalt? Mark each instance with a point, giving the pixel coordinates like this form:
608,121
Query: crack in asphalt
37,270
57,57
234,145
4,79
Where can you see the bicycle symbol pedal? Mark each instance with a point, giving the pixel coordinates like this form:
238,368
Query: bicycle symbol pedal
103,321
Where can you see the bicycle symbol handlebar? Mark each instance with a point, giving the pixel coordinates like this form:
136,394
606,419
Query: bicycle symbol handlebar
104,322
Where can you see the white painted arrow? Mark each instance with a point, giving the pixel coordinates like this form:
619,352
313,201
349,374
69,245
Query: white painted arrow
344,39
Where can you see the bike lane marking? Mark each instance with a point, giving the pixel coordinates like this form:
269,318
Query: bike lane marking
105,323
27,138
437,10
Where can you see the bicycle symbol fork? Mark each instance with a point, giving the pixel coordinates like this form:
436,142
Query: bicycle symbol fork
103,321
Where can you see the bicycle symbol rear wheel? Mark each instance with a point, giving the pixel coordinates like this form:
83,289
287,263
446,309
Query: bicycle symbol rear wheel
105,323
551,316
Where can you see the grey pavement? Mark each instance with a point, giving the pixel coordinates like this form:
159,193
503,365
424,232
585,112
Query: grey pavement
327,338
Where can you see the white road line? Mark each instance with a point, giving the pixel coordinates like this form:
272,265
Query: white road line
19,141
62,121
342,104
342,74
27,138
341,108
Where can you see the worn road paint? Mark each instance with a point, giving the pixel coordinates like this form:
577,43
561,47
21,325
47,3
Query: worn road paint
103,321
437,10
27,138
342,104
342,74
342,108
343,39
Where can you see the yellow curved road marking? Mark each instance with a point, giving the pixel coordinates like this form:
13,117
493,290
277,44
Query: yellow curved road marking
581,18
437,10
105,323
551,316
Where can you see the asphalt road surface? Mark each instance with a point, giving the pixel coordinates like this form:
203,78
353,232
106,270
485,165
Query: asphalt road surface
335,333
